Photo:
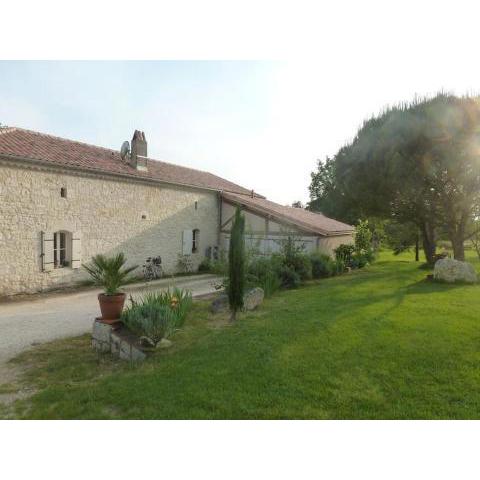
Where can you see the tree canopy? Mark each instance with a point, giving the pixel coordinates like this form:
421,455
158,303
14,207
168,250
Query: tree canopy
416,163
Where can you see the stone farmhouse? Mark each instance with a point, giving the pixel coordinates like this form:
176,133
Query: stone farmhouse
62,201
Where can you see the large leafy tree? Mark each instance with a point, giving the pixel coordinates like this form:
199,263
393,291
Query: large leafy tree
418,164
327,196
401,237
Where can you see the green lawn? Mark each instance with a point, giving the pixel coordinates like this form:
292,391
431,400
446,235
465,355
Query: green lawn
377,343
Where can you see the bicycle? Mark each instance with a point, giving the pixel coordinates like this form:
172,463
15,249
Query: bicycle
152,268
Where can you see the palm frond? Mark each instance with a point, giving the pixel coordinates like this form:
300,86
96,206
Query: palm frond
109,272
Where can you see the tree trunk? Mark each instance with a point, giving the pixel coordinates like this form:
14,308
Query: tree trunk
233,316
417,248
458,247
456,225
428,240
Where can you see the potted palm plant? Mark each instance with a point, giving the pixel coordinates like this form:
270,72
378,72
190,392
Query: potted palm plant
110,273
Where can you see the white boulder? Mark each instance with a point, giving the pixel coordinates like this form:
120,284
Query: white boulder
451,271
253,298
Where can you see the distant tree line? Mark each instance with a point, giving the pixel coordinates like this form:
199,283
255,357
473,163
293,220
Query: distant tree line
415,167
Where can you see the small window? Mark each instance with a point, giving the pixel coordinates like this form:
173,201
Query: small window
60,254
196,205
195,240
63,192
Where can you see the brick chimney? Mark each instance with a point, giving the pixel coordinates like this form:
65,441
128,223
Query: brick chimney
138,157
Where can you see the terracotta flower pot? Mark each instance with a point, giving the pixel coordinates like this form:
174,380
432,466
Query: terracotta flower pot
111,306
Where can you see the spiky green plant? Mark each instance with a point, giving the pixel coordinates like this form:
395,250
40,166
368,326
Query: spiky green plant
236,265
150,320
109,272
178,300
157,315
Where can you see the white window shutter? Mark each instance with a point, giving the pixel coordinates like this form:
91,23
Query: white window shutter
187,241
47,251
76,250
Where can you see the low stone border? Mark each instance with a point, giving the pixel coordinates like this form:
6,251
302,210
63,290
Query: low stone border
117,340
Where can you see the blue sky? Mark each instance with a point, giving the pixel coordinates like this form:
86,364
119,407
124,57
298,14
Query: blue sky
260,124
199,114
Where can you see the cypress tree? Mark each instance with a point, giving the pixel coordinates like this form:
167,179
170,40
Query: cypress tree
236,264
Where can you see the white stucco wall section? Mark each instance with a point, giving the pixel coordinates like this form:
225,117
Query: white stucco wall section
106,212
264,234
328,244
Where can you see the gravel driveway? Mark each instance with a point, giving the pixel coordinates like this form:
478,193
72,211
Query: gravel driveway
58,315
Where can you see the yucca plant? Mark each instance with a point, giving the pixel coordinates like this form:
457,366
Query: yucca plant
109,272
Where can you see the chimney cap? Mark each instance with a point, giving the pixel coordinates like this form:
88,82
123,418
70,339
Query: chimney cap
139,155
139,135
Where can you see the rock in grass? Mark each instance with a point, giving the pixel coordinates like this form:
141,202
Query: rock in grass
451,271
164,343
220,304
253,298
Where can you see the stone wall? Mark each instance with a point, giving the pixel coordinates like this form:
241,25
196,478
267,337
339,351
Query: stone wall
106,212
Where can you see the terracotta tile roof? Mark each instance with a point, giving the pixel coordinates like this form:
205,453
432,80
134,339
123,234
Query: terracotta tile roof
304,219
20,144
27,144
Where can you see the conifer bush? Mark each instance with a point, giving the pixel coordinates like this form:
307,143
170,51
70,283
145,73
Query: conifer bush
236,265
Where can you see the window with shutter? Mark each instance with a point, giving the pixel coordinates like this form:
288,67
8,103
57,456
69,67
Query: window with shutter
76,250
195,240
48,262
61,249
187,240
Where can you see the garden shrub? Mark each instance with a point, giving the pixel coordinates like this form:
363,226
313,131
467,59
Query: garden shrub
352,258
370,255
344,253
363,237
158,315
219,266
340,266
290,250
289,278
358,260
302,265
271,283
178,300
322,265
216,266
364,252
150,320
286,269
263,273
293,256
205,265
